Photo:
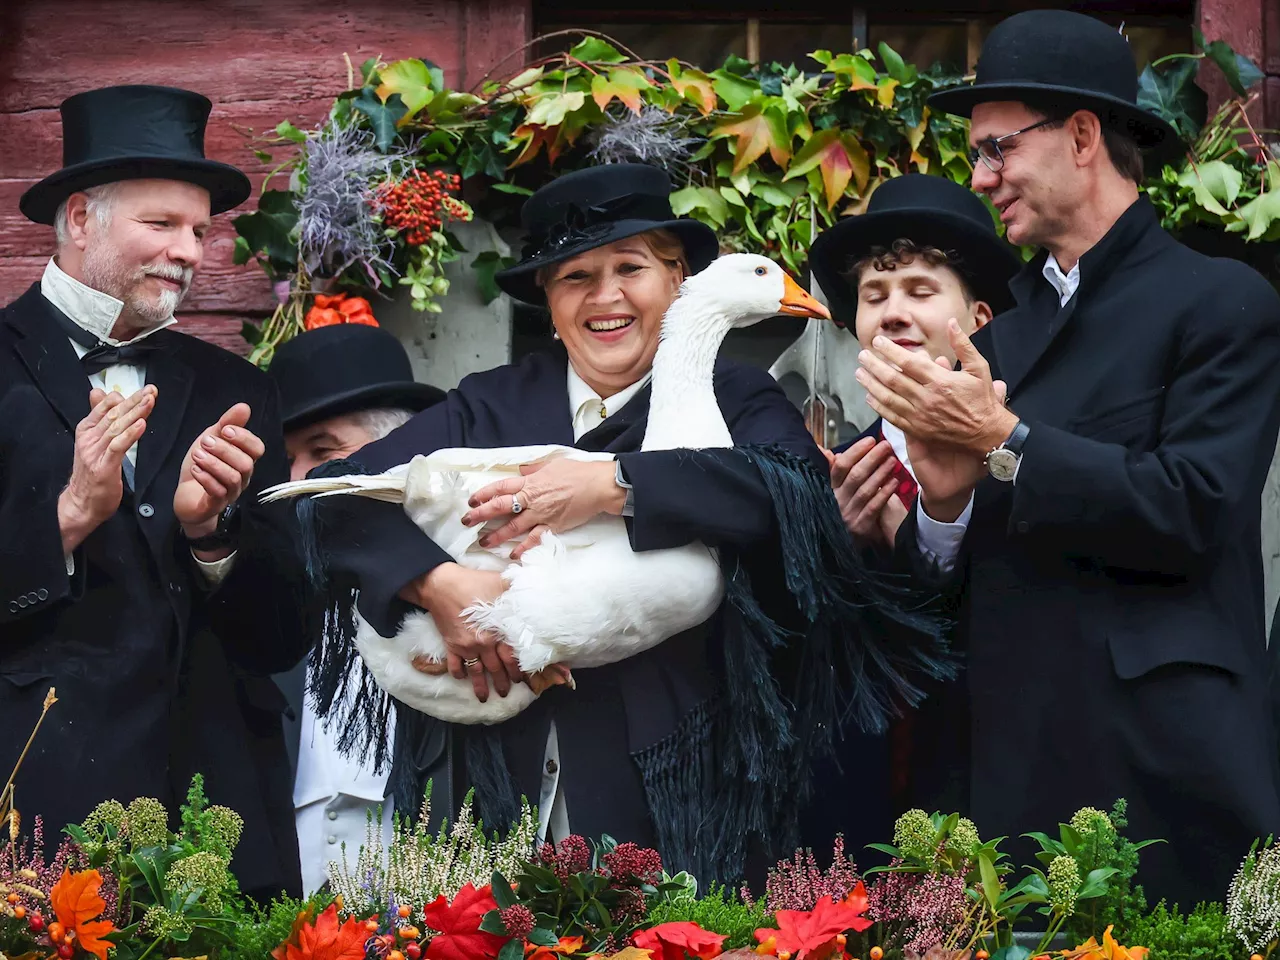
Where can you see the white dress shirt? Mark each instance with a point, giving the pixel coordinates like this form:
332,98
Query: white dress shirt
940,542
96,312
588,411
334,795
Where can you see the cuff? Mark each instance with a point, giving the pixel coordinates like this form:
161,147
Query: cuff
71,564
215,571
938,541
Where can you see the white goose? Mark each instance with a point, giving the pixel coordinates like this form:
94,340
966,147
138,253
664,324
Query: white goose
582,598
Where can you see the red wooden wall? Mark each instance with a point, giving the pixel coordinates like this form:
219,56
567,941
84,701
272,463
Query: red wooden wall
258,62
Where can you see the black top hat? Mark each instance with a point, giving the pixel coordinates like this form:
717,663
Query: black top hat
343,368
1044,57
134,133
592,208
930,211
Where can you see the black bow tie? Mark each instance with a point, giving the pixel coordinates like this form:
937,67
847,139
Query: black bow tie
104,355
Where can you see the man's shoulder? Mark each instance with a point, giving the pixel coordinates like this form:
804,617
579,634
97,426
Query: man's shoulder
736,377
209,358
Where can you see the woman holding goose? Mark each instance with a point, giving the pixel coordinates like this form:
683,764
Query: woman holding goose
699,745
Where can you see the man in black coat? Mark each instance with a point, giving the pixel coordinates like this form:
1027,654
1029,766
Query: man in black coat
1111,569
137,576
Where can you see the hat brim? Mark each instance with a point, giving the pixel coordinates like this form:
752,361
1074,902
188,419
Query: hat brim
1149,130
407,395
701,246
987,263
227,186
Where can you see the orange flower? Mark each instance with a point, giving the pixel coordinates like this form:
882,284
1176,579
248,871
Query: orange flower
1109,950
566,947
326,300
75,901
321,317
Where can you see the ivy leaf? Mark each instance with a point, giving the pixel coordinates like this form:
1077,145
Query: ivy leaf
625,83
514,188
694,86
268,231
486,265
383,116
885,90
1172,94
829,151
551,108
1260,213
412,79
447,104
596,50
1215,185
704,199
895,66
757,130
734,90
857,71
1241,72
241,253
288,131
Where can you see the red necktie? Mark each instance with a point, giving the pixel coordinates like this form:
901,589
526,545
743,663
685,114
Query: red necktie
907,487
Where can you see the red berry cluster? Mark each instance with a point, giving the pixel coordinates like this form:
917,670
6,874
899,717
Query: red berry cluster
420,203
629,860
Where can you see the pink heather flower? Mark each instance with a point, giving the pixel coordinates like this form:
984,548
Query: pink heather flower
518,920
798,884
922,910
628,860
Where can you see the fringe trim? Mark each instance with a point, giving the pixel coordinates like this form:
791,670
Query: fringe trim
675,784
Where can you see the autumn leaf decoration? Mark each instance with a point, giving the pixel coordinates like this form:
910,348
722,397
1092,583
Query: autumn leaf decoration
325,939
457,925
817,933
75,902
678,941
1107,950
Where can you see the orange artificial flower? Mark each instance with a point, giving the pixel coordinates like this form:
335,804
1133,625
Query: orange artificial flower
321,317
326,300
339,308
75,901
1109,950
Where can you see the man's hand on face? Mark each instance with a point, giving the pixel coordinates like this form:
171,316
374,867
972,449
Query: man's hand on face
215,471
103,438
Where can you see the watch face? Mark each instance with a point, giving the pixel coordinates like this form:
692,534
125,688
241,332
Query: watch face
1002,464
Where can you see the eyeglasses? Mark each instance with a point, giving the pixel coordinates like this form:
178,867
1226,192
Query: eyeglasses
989,152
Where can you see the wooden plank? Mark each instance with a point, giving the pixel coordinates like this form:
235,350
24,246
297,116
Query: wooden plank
218,328
492,34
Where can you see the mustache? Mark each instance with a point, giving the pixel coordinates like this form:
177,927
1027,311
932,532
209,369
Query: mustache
169,271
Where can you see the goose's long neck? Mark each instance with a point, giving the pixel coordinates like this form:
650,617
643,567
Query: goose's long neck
683,411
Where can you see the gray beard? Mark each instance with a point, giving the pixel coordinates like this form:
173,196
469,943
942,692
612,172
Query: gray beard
104,270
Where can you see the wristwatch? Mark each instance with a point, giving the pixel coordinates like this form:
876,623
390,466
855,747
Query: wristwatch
1002,462
629,507
224,535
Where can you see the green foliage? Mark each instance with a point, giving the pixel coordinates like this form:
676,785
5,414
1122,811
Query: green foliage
263,929
1200,935
720,911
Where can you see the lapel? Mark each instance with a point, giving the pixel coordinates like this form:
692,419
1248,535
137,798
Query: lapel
48,356
624,431
1024,336
172,379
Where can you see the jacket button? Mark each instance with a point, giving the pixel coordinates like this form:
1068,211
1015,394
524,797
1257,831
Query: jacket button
146,510
333,814
1023,526
332,838
42,594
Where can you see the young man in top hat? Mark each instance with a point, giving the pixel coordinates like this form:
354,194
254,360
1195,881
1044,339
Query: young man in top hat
129,534
340,388
1113,597
924,252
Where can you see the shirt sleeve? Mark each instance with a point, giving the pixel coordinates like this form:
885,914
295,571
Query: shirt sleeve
940,542
214,571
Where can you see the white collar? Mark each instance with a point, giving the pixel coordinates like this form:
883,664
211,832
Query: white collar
1065,283
898,441
580,393
90,309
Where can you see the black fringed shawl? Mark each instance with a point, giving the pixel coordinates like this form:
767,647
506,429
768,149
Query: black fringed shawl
701,746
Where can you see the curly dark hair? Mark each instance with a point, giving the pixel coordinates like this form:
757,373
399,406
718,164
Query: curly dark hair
903,252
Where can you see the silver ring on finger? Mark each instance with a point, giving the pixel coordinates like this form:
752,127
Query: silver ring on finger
516,505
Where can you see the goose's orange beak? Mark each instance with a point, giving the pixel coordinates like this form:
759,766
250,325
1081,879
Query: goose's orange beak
798,302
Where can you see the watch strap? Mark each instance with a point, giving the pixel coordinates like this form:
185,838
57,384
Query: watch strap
1017,439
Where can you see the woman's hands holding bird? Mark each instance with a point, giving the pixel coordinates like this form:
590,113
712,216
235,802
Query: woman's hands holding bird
555,496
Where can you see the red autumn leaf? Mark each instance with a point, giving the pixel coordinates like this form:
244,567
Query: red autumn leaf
459,936
757,130
839,156
695,82
802,931
326,939
565,947
303,918
857,900
75,901
675,941
535,138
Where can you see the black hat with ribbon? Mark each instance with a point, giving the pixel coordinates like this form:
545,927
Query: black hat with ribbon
344,368
1043,57
930,211
592,208
134,133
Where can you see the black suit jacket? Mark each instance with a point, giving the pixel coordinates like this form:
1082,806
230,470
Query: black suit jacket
158,676
1113,595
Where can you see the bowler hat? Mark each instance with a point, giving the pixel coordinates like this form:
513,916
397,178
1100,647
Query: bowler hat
134,133
930,211
343,368
1058,57
594,207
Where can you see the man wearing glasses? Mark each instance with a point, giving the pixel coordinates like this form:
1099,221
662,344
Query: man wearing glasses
1111,577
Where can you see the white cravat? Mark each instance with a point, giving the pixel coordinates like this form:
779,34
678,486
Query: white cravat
587,410
940,542
96,312
333,795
